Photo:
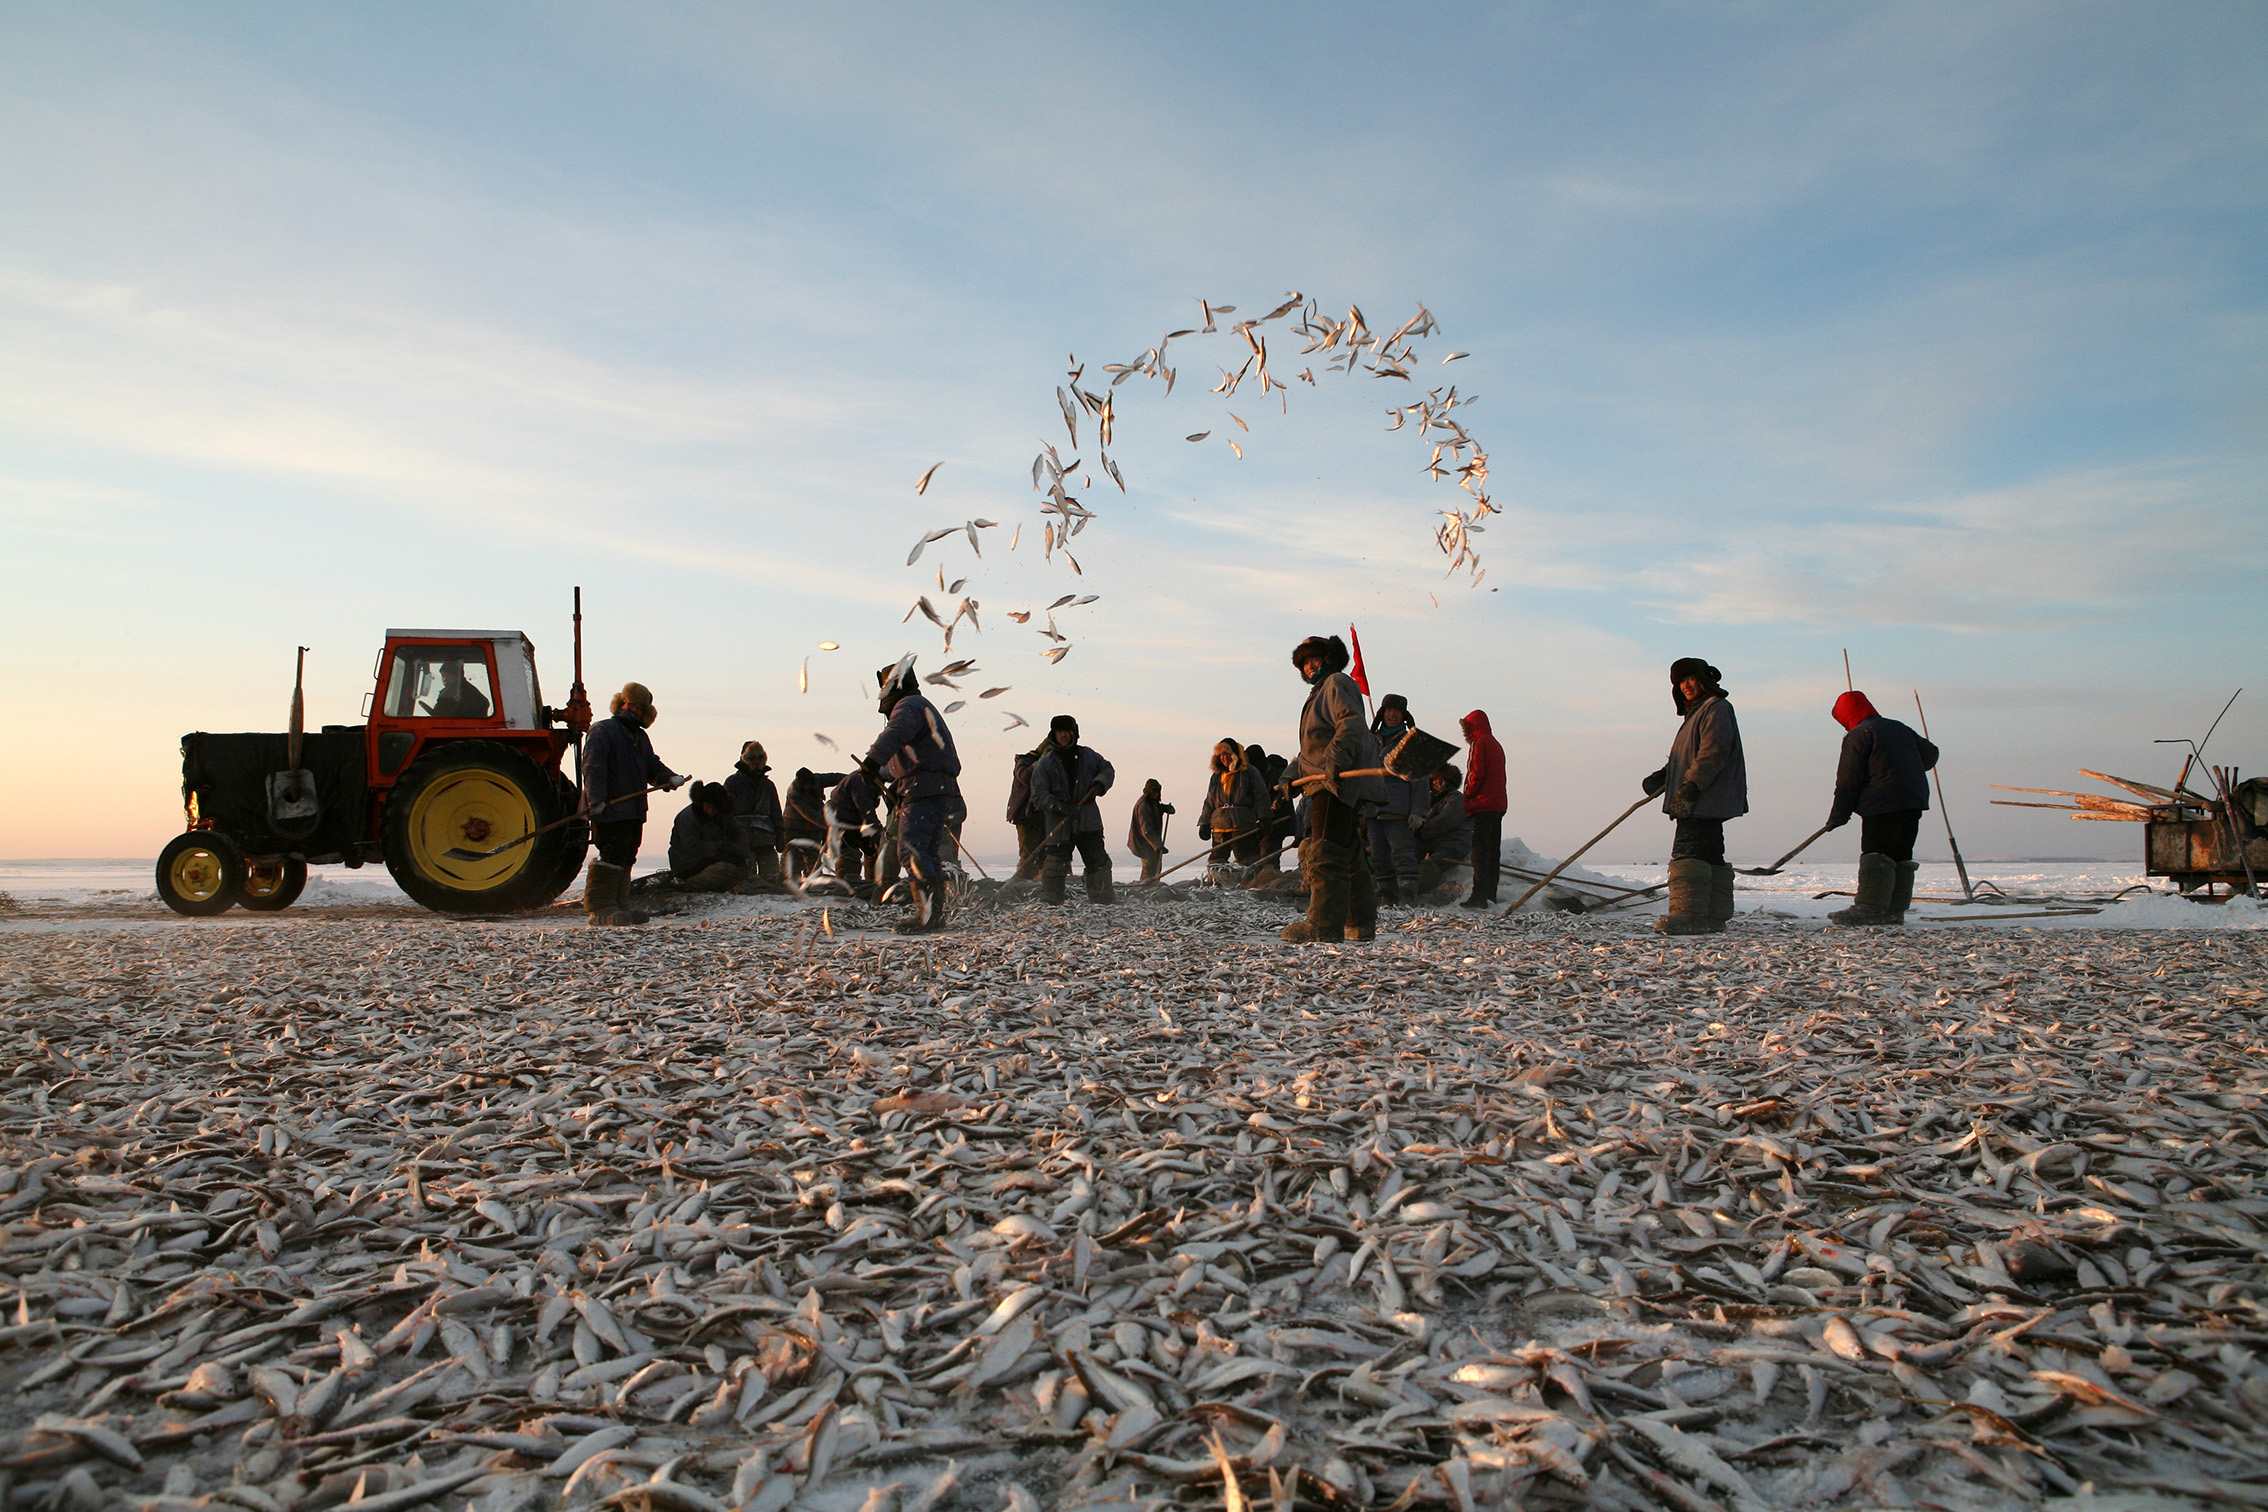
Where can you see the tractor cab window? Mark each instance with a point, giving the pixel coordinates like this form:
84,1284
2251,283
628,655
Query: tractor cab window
440,682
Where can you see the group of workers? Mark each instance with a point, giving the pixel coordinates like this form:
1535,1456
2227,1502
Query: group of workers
1367,834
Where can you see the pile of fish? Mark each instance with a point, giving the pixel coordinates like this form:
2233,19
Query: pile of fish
1131,1206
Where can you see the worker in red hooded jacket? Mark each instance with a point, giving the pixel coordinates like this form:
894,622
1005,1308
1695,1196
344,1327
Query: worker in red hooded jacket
1484,805
1884,779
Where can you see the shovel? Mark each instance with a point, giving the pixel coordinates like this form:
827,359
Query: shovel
1415,757
1774,869
459,853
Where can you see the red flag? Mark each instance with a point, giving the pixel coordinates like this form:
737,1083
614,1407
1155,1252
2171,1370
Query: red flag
1361,678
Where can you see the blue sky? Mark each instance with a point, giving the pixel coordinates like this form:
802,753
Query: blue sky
1935,332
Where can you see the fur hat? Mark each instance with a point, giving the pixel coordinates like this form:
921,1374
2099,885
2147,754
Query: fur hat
1693,667
1394,701
1064,722
896,681
633,696
1227,754
707,793
752,757
1330,648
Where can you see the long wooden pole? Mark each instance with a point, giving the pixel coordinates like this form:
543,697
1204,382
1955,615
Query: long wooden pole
1967,891
1514,905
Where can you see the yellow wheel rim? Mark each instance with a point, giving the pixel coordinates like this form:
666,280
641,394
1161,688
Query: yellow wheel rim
262,881
196,874
472,811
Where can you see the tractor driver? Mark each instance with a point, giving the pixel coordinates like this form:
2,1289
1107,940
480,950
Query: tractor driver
458,699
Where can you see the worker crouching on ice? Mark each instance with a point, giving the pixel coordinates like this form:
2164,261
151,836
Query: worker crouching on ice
1704,783
1883,778
1342,900
619,769
707,851
914,755
1065,784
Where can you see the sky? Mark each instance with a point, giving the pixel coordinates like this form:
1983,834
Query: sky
1936,333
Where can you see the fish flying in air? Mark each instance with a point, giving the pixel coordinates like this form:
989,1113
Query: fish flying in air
823,740
922,486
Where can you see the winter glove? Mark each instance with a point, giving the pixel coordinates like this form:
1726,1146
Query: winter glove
1836,822
1688,794
1655,781
1417,821
675,783
871,770
1167,808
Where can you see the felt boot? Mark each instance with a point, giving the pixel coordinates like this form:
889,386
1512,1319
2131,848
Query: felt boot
1690,883
1877,885
928,914
606,897
1098,885
1902,897
1054,872
1327,896
1721,906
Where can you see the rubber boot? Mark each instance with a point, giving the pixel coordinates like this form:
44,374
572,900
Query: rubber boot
1054,872
1721,907
1877,885
1327,896
1902,897
1690,882
1098,885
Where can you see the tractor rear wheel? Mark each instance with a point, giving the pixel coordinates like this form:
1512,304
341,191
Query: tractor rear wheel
468,797
200,874
275,886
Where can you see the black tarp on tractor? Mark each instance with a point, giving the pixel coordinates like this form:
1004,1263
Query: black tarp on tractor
228,775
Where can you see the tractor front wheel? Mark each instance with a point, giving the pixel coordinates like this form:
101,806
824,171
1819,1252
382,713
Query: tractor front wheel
452,809
200,874
274,886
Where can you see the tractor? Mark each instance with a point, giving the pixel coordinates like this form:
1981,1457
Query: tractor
453,781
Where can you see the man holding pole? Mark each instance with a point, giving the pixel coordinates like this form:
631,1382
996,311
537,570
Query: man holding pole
1342,900
619,769
1704,783
1065,784
914,754
1883,778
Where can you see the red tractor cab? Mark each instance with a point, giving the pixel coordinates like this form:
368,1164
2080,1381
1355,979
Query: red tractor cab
454,781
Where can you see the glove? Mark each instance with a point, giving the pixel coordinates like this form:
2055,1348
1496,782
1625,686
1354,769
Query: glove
675,783
1834,823
1167,808
1688,794
871,770
1654,782
1417,821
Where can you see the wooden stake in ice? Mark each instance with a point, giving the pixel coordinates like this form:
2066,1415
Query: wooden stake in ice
1967,891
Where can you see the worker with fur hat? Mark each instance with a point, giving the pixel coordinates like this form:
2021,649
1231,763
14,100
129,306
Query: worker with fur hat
1883,778
756,809
706,850
1342,900
1065,784
915,756
1704,783
619,769
1235,812
1393,829
1145,831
